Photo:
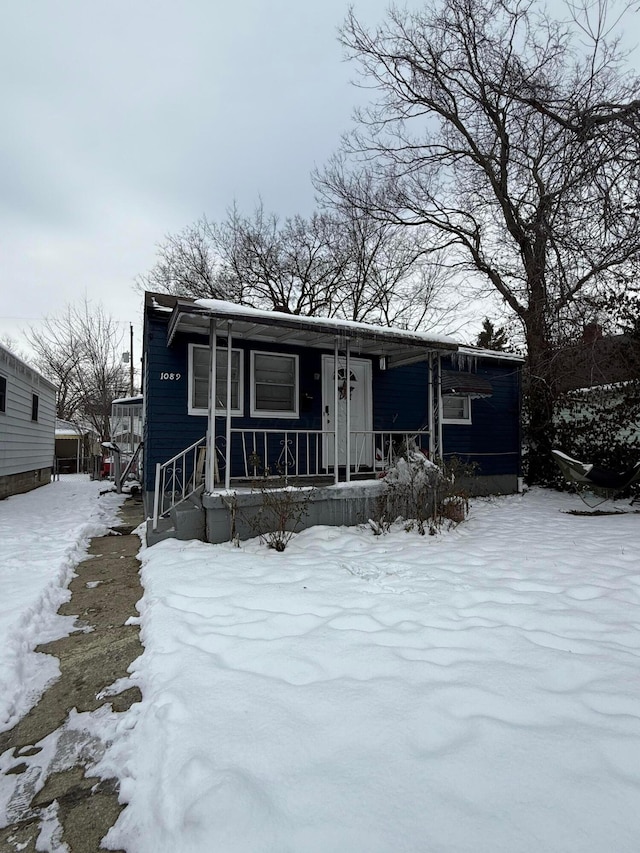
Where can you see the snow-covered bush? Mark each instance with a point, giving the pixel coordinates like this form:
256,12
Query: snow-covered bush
281,514
421,493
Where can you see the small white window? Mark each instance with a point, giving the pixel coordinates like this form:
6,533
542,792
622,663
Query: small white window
199,380
274,385
456,409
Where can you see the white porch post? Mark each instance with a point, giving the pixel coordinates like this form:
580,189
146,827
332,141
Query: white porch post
347,370
432,420
227,465
439,409
211,424
335,410
435,406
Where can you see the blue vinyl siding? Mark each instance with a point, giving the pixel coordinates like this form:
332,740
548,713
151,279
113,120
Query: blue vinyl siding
400,403
400,398
492,440
169,428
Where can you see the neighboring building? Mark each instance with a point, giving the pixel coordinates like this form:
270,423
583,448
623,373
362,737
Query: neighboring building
126,433
296,394
27,426
126,423
598,408
75,447
598,360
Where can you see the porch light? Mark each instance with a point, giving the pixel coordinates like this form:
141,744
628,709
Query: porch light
383,362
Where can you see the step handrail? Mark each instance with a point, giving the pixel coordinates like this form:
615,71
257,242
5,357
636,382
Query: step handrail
186,491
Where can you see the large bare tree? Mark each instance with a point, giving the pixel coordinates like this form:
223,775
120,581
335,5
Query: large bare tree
340,262
80,351
515,139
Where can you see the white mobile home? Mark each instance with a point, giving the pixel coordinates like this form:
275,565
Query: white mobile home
27,426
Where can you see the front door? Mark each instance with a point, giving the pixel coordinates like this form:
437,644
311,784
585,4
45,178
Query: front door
358,387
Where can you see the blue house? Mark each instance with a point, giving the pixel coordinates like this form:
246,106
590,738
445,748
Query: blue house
232,393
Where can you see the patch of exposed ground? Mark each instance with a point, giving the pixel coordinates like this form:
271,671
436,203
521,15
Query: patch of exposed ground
45,757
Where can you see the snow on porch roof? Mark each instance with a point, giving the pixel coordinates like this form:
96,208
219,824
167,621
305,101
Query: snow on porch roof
400,346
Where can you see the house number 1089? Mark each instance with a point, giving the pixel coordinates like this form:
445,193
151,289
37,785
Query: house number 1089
171,376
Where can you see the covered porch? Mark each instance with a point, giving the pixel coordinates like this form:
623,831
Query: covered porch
307,417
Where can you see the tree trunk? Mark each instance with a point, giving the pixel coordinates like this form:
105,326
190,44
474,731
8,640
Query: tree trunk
540,394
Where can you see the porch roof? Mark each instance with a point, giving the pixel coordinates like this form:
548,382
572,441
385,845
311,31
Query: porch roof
399,346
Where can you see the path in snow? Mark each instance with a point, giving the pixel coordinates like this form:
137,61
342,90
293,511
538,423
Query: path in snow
45,797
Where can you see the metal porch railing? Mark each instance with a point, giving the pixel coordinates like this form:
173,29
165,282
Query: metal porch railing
178,478
285,453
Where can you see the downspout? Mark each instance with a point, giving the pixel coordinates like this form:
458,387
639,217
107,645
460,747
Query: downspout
211,414
227,463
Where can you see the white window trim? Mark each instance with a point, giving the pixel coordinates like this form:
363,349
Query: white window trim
464,420
192,410
265,413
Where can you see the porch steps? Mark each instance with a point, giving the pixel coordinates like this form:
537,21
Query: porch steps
185,521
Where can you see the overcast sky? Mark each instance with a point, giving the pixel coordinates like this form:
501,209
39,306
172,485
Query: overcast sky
125,121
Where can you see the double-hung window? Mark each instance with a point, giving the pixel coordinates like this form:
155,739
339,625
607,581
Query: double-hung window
456,409
274,385
199,380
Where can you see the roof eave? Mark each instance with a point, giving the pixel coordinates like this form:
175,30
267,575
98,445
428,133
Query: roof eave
319,335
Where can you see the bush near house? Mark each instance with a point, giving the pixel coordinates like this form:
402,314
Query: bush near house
424,495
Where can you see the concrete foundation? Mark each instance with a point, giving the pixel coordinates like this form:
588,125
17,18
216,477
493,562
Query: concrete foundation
242,514
25,481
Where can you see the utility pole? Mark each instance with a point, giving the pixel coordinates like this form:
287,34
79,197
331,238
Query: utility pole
131,360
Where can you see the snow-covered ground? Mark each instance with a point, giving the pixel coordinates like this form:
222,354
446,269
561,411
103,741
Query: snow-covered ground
43,535
475,691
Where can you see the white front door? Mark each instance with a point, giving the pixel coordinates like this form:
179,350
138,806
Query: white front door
359,388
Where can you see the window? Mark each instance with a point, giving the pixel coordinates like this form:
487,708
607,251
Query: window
274,385
199,380
35,402
3,394
456,409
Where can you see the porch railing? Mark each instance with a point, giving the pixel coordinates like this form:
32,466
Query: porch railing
310,453
276,452
178,478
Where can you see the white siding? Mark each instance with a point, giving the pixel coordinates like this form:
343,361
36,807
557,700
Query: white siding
25,445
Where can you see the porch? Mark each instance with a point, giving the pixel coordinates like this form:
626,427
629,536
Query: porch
293,400
264,458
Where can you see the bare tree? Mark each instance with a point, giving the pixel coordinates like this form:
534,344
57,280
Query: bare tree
288,266
13,345
187,265
335,263
80,351
391,277
515,139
